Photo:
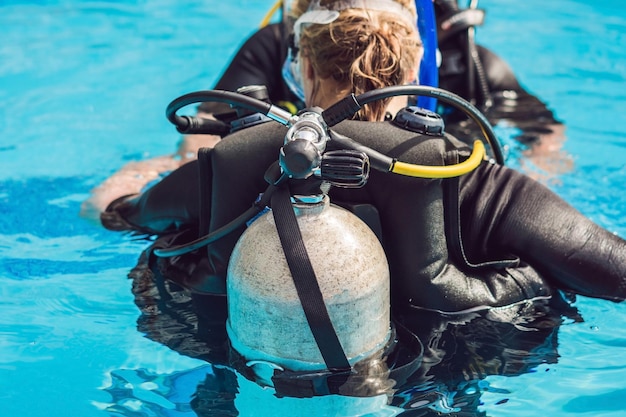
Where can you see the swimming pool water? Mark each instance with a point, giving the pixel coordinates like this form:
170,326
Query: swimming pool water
83,89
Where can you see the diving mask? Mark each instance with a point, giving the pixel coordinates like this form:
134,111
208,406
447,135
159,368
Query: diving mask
292,73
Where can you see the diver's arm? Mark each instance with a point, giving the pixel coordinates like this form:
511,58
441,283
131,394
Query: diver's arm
130,179
541,131
503,211
136,175
170,205
499,74
258,62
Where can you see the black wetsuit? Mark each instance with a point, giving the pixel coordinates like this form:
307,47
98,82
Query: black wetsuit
258,62
492,237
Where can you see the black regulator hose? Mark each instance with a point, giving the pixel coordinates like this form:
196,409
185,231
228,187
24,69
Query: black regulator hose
349,105
338,112
228,228
210,238
189,124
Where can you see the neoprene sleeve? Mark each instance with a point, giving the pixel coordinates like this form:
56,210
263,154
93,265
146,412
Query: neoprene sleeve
258,62
169,206
505,212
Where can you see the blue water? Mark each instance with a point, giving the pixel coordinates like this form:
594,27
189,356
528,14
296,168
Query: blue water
83,88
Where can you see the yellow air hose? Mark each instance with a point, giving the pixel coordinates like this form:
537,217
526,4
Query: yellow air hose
449,171
268,17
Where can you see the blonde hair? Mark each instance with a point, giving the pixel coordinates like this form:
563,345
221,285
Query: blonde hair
363,50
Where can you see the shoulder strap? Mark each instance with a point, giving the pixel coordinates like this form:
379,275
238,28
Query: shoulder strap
306,283
204,193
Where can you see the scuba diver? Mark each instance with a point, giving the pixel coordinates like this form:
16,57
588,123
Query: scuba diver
451,61
461,233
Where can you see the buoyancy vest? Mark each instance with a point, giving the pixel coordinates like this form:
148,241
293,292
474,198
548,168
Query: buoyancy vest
492,237
418,228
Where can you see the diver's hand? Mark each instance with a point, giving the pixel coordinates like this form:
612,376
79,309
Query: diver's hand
545,159
131,179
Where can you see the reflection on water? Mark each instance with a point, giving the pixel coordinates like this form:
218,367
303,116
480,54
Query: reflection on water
187,393
460,351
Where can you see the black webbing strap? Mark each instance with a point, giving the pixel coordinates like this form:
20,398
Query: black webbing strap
205,192
306,283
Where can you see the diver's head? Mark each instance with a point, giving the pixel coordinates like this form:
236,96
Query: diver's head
353,46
